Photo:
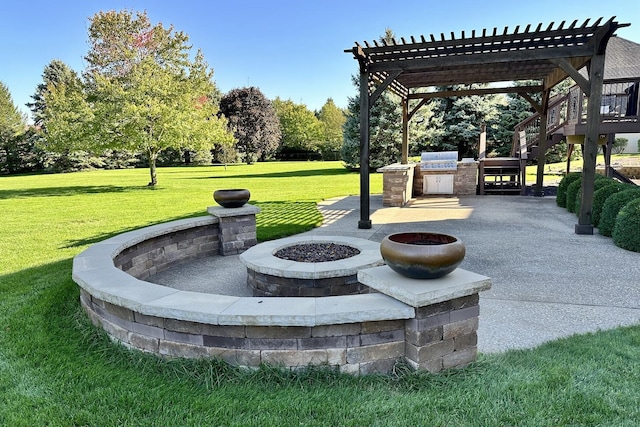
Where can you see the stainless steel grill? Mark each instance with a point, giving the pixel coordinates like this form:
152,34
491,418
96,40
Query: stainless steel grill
439,161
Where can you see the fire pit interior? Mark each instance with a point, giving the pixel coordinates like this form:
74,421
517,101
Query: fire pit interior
317,252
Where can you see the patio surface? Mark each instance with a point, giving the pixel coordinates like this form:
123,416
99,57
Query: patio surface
548,282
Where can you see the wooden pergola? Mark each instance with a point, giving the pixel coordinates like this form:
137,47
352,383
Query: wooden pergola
548,55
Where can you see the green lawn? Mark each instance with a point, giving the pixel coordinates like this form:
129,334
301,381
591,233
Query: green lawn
57,369
554,171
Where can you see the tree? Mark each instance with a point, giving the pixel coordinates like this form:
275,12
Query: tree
619,145
510,113
424,129
14,141
331,120
143,91
385,132
54,75
301,130
385,126
461,119
61,118
254,123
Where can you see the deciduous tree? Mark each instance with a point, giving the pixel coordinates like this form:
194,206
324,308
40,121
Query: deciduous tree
300,128
254,123
144,91
331,120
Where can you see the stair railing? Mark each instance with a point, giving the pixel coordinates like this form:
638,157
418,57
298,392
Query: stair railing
556,118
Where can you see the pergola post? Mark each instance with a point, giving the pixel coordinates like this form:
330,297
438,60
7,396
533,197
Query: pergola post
405,131
596,78
542,144
365,221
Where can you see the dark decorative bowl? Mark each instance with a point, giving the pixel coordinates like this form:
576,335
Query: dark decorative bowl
233,198
422,255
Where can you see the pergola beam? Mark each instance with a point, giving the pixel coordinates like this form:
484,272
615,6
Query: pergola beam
481,91
574,74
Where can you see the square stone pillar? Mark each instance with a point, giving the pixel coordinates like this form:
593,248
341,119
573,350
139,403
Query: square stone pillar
237,228
443,335
397,184
443,332
466,178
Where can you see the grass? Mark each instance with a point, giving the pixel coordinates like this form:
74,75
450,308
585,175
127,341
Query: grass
57,369
553,172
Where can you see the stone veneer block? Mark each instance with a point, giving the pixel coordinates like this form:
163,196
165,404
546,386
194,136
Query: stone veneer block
418,293
119,288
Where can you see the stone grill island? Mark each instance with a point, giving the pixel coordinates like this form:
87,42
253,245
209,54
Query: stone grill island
374,318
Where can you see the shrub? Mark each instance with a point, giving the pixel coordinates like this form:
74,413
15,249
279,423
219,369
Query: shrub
572,194
561,197
626,233
601,195
600,182
612,206
619,145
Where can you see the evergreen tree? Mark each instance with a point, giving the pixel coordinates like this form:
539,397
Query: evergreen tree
424,130
385,132
462,118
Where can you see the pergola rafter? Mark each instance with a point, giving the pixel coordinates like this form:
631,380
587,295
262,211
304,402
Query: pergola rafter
546,54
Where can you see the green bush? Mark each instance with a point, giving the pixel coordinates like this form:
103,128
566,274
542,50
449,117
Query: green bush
612,206
601,195
561,197
572,194
626,233
600,182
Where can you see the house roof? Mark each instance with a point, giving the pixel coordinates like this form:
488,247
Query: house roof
622,59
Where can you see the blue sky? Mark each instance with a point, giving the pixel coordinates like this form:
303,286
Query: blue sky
290,49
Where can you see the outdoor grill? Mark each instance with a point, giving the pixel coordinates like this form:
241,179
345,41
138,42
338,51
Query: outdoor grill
440,161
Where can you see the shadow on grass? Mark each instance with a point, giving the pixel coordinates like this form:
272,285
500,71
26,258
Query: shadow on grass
281,219
103,236
68,191
290,174
275,220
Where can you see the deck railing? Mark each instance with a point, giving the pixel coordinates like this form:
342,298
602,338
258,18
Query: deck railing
620,104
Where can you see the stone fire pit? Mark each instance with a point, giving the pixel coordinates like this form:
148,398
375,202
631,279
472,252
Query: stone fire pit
306,273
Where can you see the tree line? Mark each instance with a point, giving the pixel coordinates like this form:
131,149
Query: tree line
145,99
